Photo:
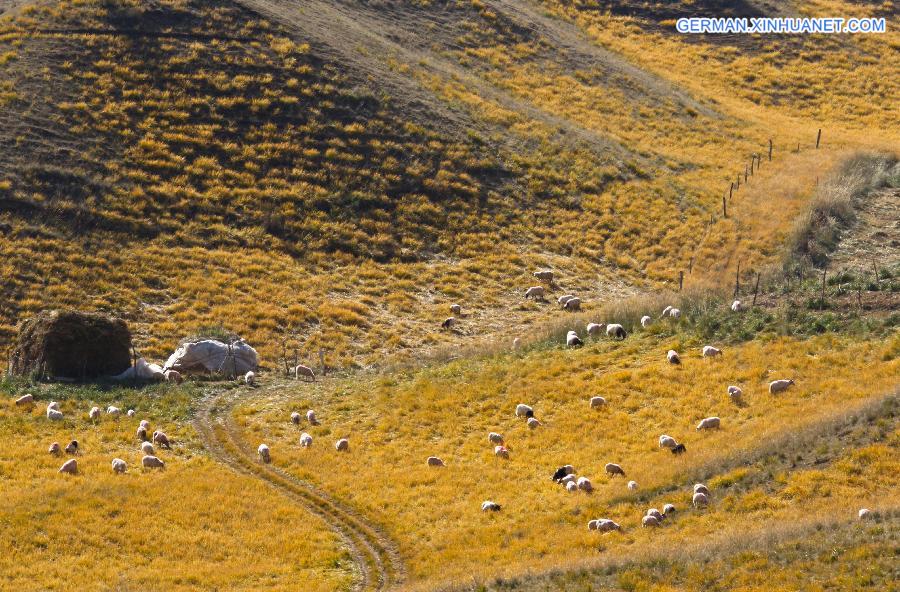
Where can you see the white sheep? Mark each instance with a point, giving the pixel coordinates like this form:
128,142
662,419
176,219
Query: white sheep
145,424
301,370
584,484
666,311
701,488
656,514
130,413
736,306
141,433
456,309
593,329
649,521
646,321
70,467
517,343
710,351
72,447
152,462
305,440
433,461
865,513
54,449
668,509
735,393
173,376
113,410
53,405
606,525
572,339
570,478
250,378
523,410
501,451
342,445
573,304
147,448
545,275
264,454
495,438
700,499
571,486
295,418
563,299
161,439
535,293
632,486
25,400
709,423
672,356
311,417
597,402
777,386
667,442
616,331
489,506
613,469
94,413
119,466
533,423
54,414
675,313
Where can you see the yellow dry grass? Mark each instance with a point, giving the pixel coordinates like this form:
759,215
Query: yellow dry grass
395,422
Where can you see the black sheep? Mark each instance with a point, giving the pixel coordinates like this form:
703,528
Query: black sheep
679,449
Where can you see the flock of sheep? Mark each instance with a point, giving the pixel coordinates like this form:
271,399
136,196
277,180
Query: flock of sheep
148,461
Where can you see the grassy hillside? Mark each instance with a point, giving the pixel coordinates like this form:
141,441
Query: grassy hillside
191,164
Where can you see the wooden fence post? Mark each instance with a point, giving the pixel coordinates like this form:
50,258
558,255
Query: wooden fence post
731,190
296,358
737,184
756,289
737,280
745,173
680,281
770,149
287,371
818,137
724,208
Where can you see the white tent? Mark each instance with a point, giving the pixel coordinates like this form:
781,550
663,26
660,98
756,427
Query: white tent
210,355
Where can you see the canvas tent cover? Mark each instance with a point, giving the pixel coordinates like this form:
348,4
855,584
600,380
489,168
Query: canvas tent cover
210,355
142,370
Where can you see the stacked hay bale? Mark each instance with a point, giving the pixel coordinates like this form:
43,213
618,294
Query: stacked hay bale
67,344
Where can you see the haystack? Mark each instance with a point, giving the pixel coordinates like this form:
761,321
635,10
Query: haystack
73,345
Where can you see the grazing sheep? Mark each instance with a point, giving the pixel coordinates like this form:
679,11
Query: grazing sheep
523,410
311,417
645,321
573,304
735,393
666,311
649,521
709,423
113,410
264,455
147,448
680,449
572,339
616,331
592,524
295,418
305,440
94,413
701,488
668,509
490,506
736,306
675,313
130,413
70,467
250,378
517,343
584,484
667,442
545,275
568,479
152,462
700,499
710,351
173,376
72,447
632,486
613,469
53,405
448,322
145,424
561,301
571,486
141,433
777,386
534,423
593,329
342,445
501,451
119,466
535,293
25,400
456,309
161,439
301,370
561,472
606,525
434,461
54,449
672,356
865,513
656,514
495,438
597,402
54,414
